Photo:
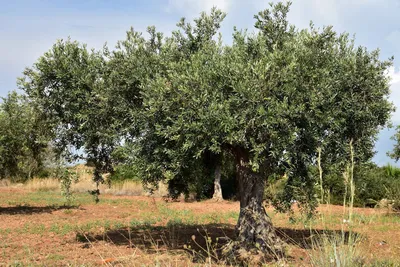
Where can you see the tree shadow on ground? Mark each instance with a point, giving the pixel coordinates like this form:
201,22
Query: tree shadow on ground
29,210
172,236
307,239
197,240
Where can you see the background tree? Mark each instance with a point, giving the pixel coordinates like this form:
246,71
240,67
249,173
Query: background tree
68,84
24,138
395,153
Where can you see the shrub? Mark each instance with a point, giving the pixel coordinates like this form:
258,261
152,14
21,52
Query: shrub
393,194
372,183
124,172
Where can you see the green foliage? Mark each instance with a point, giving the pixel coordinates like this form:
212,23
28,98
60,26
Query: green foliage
275,188
395,154
269,99
391,171
393,194
24,138
69,84
199,181
67,177
124,172
124,162
44,173
90,98
199,178
372,183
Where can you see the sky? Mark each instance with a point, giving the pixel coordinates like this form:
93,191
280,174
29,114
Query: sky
28,28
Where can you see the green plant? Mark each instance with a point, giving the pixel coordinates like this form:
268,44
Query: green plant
384,263
67,177
335,250
393,195
124,172
142,224
24,138
275,188
391,171
340,249
267,99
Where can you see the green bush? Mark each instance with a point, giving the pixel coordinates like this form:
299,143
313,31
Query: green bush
124,172
393,194
45,173
372,183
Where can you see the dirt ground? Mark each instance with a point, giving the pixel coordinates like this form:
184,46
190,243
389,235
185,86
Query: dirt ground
36,228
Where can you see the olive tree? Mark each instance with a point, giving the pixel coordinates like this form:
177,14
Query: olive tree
24,138
68,85
271,99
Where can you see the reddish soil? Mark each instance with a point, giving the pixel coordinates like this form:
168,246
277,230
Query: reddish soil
40,234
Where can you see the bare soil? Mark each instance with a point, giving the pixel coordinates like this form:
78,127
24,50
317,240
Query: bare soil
36,229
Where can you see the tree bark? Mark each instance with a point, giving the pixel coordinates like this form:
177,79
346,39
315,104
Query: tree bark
256,236
217,182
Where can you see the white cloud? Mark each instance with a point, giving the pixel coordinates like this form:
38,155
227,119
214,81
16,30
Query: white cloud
194,7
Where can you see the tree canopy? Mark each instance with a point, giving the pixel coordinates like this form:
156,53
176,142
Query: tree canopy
24,138
270,100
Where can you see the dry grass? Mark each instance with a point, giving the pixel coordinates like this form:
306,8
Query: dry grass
141,256
37,184
132,188
5,182
85,183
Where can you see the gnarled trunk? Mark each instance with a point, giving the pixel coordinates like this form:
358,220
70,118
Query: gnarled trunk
255,229
256,234
217,182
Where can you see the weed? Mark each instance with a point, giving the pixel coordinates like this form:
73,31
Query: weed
339,249
68,211
384,263
142,224
55,257
37,229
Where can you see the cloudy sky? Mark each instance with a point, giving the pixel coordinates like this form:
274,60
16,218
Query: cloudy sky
28,28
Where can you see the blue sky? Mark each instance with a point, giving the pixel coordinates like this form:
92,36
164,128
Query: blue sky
28,28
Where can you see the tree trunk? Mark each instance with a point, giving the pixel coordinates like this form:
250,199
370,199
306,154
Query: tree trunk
256,237
217,182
